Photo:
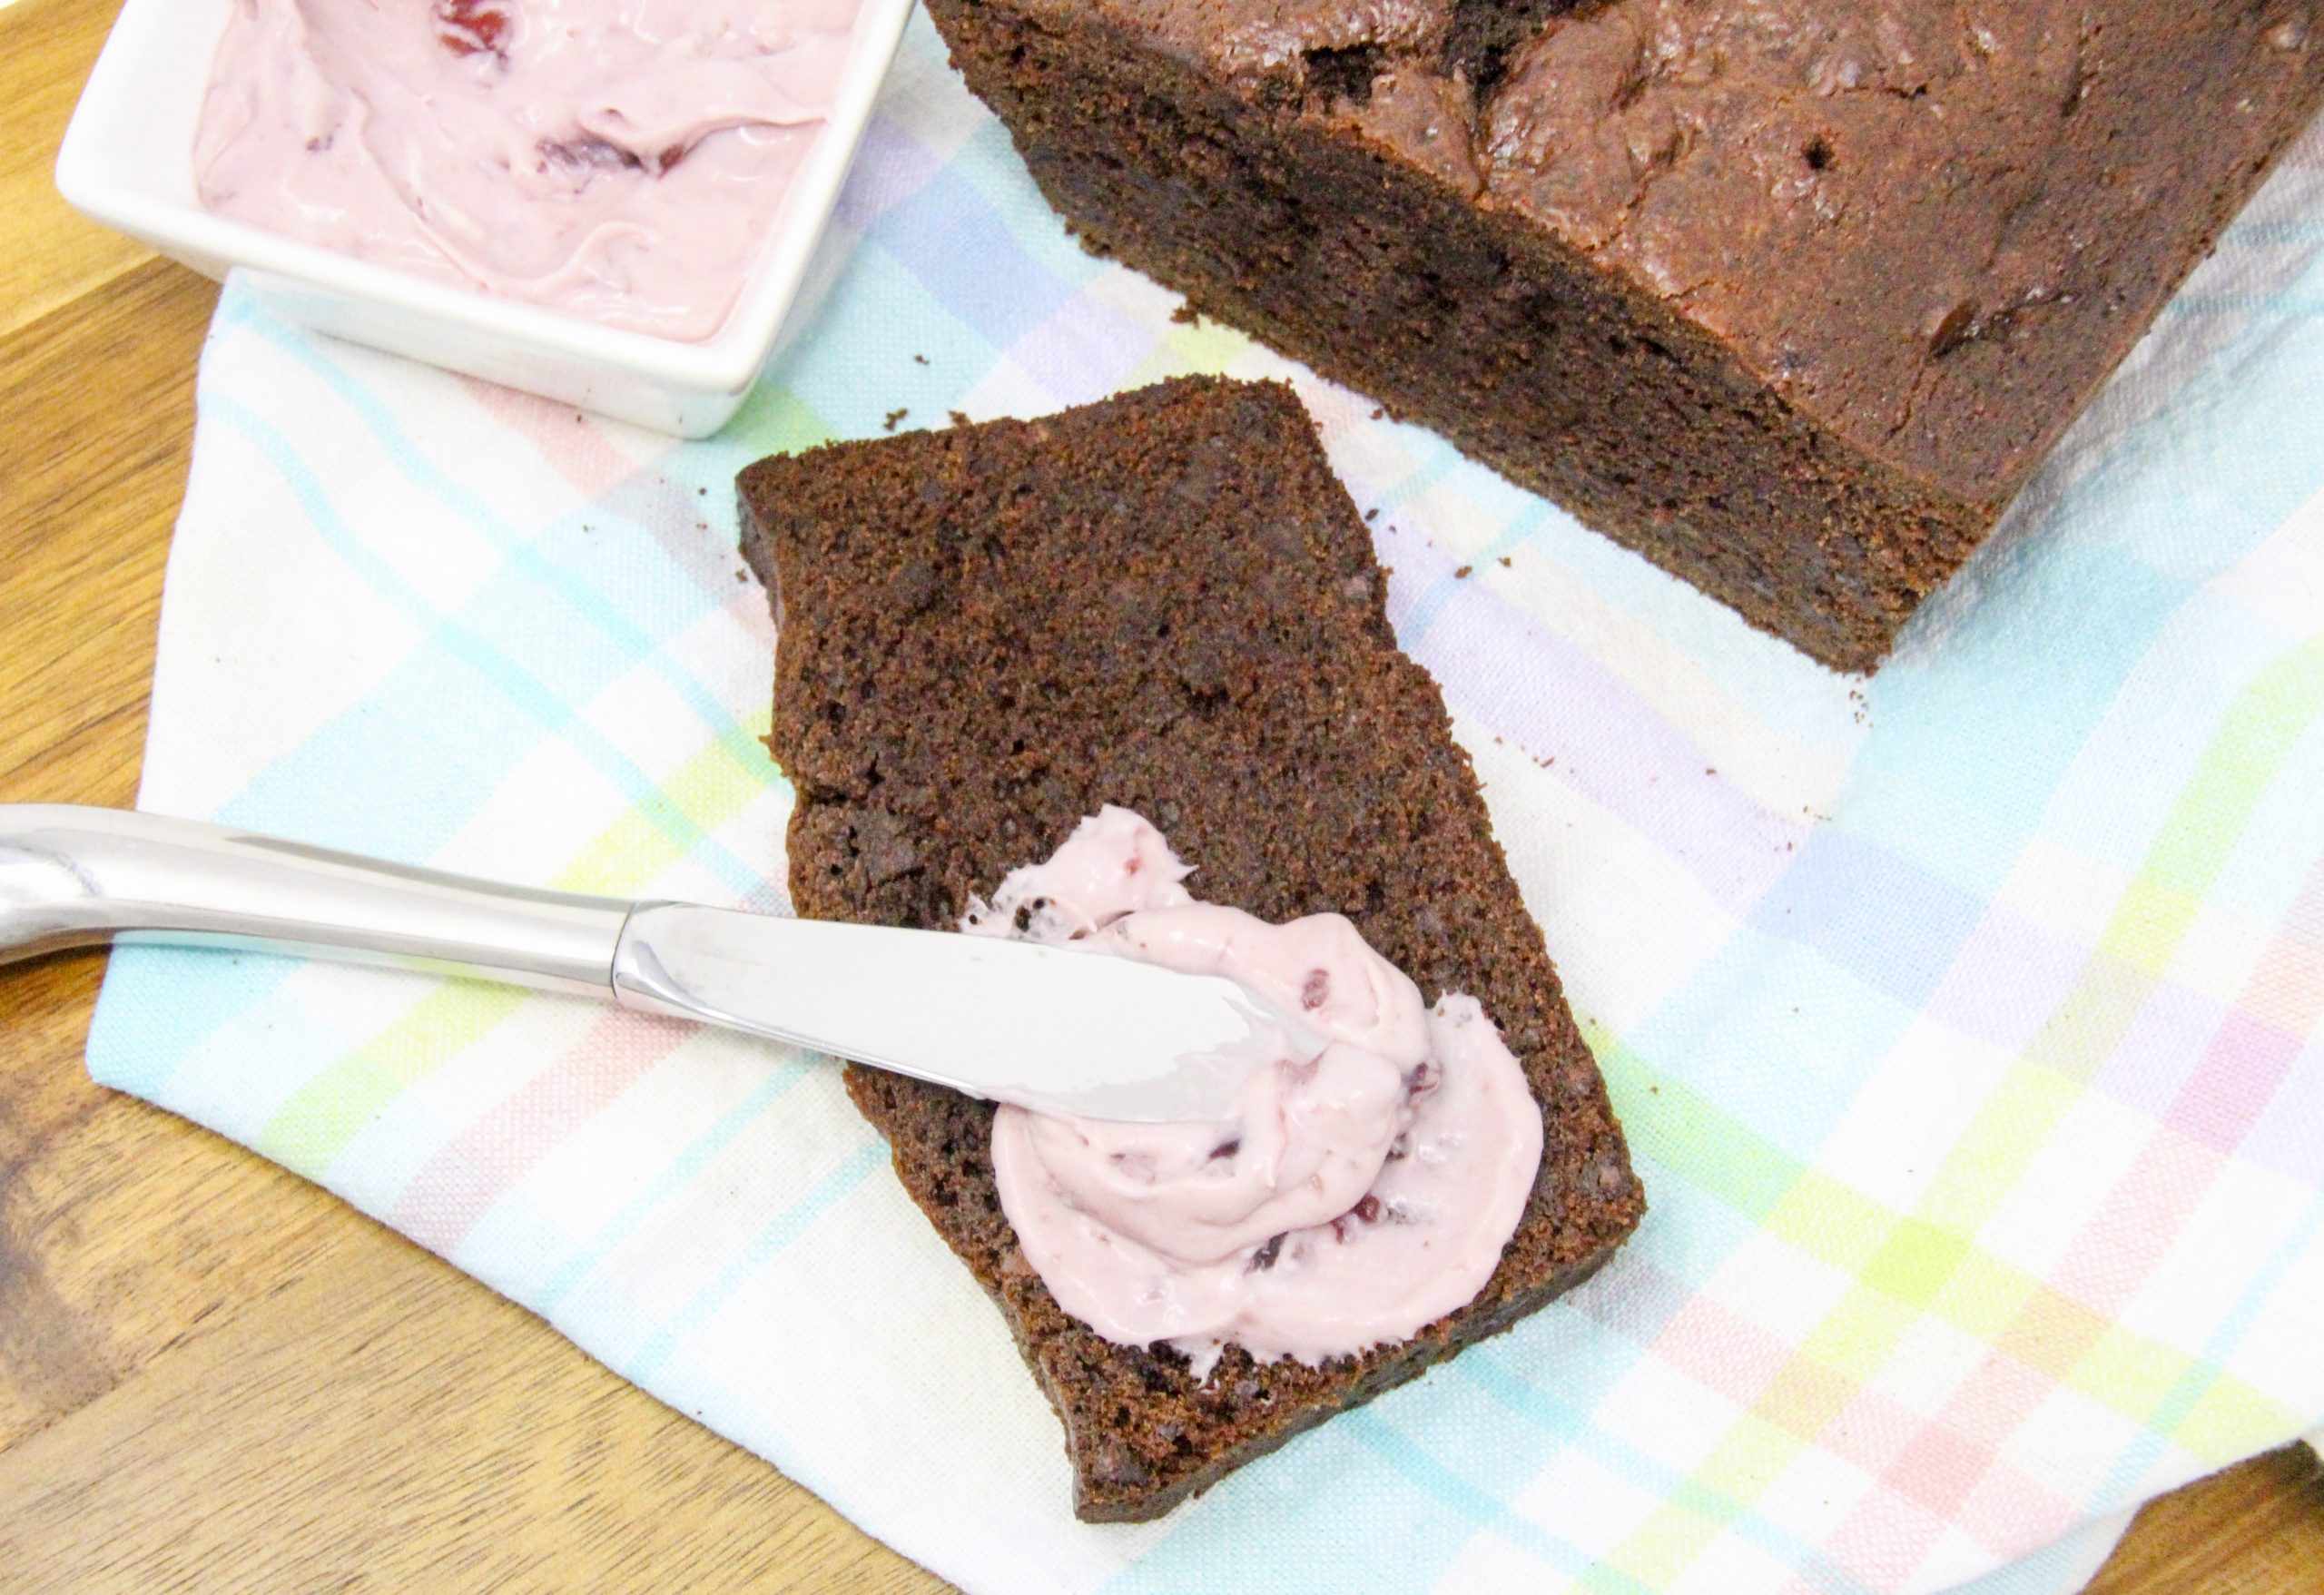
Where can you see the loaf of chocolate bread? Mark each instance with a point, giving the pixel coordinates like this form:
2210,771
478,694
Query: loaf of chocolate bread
1791,296
1165,601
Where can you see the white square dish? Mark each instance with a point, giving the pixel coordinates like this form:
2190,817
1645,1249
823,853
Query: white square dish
127,162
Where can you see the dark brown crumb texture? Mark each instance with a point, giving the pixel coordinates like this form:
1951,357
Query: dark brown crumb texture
1791,296
1165,601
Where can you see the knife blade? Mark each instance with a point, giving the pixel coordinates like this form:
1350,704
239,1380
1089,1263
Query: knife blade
1054,1028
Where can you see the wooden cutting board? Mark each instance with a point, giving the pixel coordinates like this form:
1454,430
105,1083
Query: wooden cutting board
215,1376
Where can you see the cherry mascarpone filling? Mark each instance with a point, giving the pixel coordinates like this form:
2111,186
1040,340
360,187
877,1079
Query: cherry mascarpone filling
618,160
1359,1193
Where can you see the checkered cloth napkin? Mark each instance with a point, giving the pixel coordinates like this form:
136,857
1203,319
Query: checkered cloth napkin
1966,1020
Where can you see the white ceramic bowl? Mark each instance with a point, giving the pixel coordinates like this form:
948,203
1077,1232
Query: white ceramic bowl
127,162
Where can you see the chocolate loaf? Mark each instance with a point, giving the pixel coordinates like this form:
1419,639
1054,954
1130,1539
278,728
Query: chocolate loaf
1791,296
1165,601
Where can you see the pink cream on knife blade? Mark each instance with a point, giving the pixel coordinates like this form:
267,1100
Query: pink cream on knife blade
1358,1195
619,160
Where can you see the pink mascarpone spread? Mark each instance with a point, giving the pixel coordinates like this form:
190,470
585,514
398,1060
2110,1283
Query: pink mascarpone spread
619,160
1360,1194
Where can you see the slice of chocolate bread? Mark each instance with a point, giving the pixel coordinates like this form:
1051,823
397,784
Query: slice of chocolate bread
1165,601
1791,296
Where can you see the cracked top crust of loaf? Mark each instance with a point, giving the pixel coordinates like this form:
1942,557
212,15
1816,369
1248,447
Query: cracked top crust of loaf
1933,227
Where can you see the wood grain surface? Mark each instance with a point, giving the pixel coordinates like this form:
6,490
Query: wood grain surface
215,1376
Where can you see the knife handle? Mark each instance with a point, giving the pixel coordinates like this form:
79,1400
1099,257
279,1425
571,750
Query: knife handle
77,877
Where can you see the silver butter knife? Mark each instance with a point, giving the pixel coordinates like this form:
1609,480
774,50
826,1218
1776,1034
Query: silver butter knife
1054,1028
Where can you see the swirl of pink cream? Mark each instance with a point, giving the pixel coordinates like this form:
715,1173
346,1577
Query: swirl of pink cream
1357,1196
